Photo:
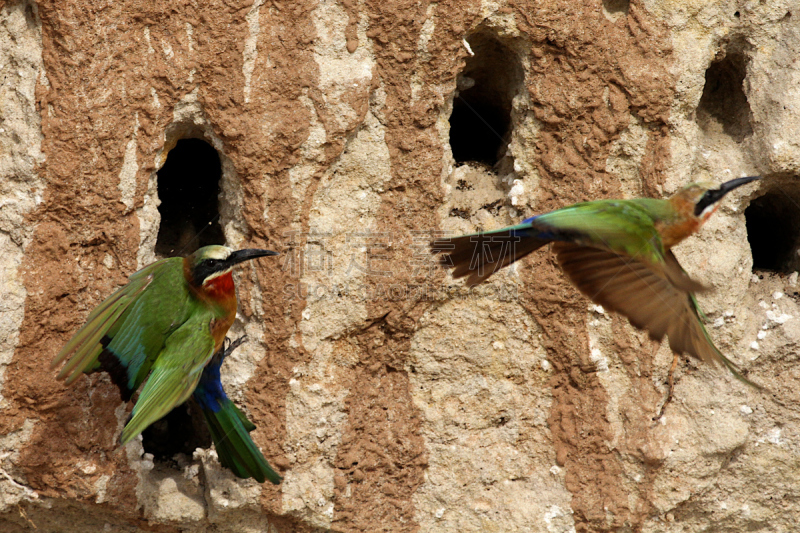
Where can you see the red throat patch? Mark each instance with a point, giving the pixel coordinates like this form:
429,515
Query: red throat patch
220,287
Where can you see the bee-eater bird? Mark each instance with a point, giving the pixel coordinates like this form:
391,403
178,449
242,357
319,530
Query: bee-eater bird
162,329
616,252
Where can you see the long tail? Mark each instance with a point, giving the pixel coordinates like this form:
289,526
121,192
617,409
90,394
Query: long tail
482,254
230,429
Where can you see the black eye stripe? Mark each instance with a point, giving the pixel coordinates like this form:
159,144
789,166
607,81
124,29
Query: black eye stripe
708,198
206,268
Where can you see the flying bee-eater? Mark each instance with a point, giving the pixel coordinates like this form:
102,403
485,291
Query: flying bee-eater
163,329
618,253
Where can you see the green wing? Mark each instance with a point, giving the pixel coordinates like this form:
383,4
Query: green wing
125,333
85,346
175,372
134,342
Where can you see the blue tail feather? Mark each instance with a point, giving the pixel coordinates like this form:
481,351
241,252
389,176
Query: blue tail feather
230,429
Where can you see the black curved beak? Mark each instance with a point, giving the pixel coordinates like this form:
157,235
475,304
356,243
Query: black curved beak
728,186
241,256
713,196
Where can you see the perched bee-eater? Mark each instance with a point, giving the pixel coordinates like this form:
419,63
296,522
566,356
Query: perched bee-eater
617,252
162,329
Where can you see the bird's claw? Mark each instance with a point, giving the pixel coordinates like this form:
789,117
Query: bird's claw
228,346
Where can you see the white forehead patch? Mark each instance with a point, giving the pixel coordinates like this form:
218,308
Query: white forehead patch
219,252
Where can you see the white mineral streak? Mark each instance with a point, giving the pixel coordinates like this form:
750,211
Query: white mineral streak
331,262
477,369
251,46
127,174
21,190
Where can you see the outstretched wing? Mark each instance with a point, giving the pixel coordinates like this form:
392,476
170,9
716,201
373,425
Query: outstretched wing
86,345
625,227
175,373
656,299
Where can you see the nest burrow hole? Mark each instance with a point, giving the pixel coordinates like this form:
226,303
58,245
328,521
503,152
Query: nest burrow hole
481,123
724,101
773,230
181,431
616,7
188,188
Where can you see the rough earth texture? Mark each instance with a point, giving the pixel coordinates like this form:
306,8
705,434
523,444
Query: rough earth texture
390,397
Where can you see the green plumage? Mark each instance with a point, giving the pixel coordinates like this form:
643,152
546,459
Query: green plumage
175,373
156,333
153,326
132,324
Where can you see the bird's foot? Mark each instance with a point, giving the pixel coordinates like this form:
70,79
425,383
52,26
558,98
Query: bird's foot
671,384
228,346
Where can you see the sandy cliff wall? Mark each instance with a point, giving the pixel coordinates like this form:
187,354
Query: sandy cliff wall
390,398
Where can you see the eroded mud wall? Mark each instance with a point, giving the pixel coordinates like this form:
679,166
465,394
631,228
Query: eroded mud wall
348,133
